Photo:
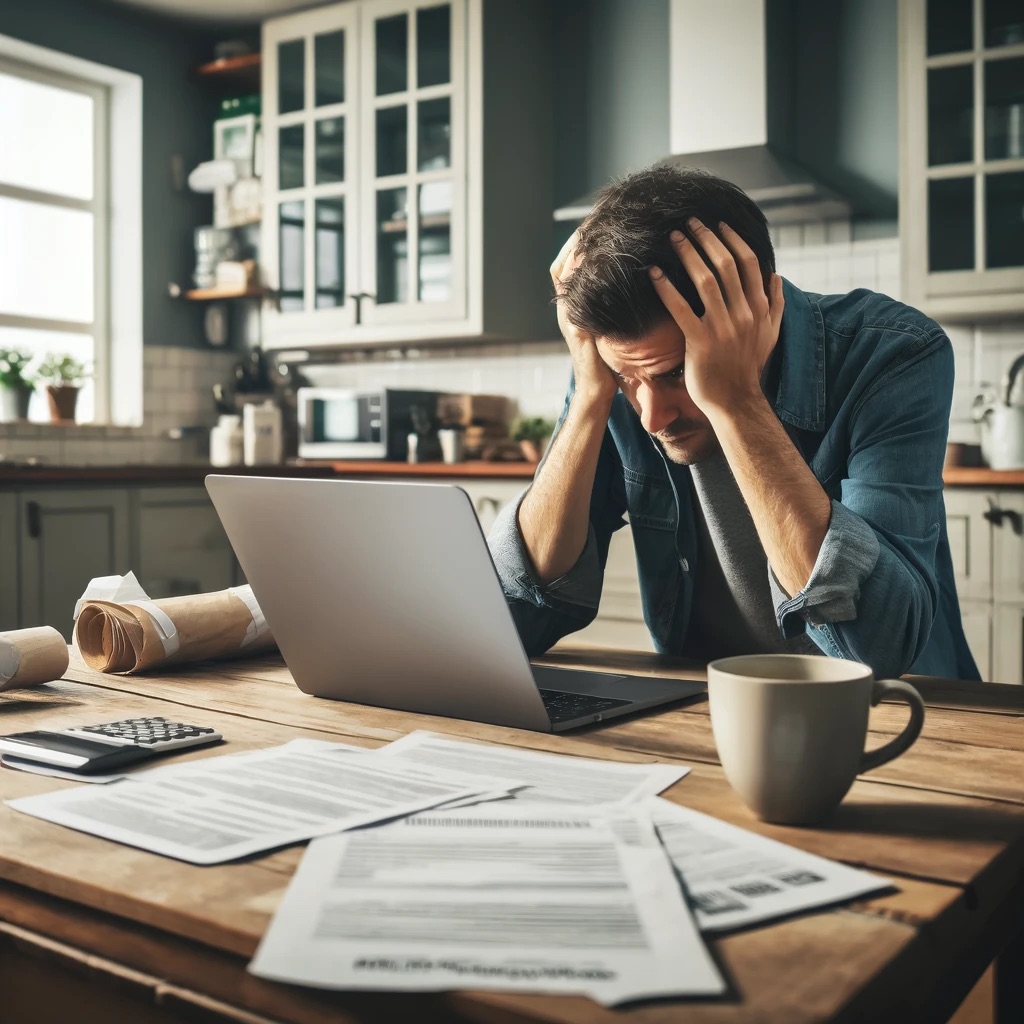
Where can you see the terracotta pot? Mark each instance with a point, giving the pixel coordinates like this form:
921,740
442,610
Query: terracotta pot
14,404
530,450
63,399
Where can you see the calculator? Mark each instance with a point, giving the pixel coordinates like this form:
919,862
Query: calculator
88,749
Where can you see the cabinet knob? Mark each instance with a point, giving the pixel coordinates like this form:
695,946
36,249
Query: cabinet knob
995,515
34,519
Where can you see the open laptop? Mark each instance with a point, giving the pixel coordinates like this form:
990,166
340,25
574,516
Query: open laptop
385,594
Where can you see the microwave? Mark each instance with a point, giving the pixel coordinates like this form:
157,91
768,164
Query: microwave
338,424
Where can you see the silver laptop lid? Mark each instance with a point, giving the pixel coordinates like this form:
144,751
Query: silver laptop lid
381,594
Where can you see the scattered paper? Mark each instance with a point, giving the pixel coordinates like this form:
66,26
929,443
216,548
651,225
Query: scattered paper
735,878
535,901
220,808
549,778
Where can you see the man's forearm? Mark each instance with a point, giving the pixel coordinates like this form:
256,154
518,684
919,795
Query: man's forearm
790,510
554,517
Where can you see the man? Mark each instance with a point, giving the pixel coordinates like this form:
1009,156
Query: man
779,453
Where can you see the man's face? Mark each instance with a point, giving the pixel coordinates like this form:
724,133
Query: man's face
650,375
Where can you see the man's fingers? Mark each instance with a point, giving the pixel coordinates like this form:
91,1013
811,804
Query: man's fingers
720,257
678,307
701,275
565,261
749,271
778,303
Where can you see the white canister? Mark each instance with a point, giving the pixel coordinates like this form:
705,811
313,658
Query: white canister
261,434
226,442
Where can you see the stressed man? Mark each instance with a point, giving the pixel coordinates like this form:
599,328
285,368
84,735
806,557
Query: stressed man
778,453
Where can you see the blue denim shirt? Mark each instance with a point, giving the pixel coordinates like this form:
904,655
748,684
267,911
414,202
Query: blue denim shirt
862,385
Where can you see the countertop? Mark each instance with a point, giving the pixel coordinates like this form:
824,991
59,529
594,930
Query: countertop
20,475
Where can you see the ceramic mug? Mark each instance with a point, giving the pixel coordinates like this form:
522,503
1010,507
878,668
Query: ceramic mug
790,730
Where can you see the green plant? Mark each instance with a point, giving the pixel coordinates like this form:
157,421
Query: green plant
532,428
13,374
58,370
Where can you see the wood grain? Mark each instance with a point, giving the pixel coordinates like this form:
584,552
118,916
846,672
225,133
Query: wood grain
947,826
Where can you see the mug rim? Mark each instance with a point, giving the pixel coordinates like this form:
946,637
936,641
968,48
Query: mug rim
857,671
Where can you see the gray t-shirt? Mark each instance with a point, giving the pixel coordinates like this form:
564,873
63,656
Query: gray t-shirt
733,612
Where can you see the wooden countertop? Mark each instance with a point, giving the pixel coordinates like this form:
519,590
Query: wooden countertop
982,476
945,822
11,475
14,474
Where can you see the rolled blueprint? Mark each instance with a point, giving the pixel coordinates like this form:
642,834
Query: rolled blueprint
133,634
29,657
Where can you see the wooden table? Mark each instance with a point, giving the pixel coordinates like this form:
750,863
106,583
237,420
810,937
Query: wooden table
95,933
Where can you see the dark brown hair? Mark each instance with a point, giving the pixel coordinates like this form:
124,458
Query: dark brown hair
610,293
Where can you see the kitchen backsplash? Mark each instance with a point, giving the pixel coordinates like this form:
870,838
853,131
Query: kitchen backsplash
177,381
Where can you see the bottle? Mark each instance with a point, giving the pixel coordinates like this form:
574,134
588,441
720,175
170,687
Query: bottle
261,428
226,442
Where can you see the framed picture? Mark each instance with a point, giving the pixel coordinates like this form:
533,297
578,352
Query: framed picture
234,138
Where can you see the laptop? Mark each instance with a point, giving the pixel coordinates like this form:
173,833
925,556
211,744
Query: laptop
385,594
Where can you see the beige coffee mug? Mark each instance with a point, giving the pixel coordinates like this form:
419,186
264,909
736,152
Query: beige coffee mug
790,730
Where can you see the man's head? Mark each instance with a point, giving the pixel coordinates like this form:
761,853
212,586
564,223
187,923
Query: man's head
610,295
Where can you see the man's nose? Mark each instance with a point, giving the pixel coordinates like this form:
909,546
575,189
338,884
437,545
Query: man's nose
657,408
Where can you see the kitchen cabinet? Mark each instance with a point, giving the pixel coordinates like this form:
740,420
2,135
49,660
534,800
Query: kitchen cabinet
407,172
962,157
182,547
67,537
8,562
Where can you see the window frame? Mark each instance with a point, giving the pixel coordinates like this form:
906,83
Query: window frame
98,206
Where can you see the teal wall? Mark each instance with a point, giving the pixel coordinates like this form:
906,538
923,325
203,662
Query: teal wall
176,118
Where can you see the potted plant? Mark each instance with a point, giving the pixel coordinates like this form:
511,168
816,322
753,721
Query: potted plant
16,385
533,434
64,377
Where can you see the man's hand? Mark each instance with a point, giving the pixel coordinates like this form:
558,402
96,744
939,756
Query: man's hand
726,349
594,381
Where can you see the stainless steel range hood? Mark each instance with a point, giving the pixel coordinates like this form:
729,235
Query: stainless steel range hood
719,121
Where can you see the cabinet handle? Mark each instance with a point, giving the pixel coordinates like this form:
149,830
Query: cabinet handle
34,519
995,515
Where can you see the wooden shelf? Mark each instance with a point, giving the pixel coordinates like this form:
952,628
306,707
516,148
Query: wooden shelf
244,69
430,220
220,294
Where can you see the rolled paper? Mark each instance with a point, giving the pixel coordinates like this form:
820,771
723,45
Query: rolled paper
29,657
136,635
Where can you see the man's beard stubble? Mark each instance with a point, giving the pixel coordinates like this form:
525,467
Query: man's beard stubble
700,442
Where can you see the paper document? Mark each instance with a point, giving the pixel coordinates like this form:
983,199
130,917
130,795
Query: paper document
536,901
549,778
736,878
220,808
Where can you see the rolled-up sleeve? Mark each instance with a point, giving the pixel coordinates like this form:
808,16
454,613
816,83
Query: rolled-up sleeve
847,558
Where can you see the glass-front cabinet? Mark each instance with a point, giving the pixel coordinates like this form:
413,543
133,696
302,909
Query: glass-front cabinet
365,172
962,156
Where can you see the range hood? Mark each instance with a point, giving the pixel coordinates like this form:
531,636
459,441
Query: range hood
720,116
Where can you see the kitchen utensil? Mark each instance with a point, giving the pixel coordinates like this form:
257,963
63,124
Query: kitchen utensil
1001,415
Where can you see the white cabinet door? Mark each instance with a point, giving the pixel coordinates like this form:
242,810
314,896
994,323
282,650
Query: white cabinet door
311,214
68,537
977,618
182,547
1008,643
412,140
8,562
1007,516
960,159
970,540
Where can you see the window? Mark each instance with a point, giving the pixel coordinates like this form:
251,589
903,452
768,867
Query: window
54,224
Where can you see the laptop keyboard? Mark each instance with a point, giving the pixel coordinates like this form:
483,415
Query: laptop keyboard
563,707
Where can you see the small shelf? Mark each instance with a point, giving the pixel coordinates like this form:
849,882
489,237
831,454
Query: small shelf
427,221
220,294
244,69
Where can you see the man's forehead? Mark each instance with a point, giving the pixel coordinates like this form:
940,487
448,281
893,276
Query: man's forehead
659,350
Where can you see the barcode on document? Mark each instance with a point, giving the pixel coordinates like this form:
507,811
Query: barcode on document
755,888
716,902
800,878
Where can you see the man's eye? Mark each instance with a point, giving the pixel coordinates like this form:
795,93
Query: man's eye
677,373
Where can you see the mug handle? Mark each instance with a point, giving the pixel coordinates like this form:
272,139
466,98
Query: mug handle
881,688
